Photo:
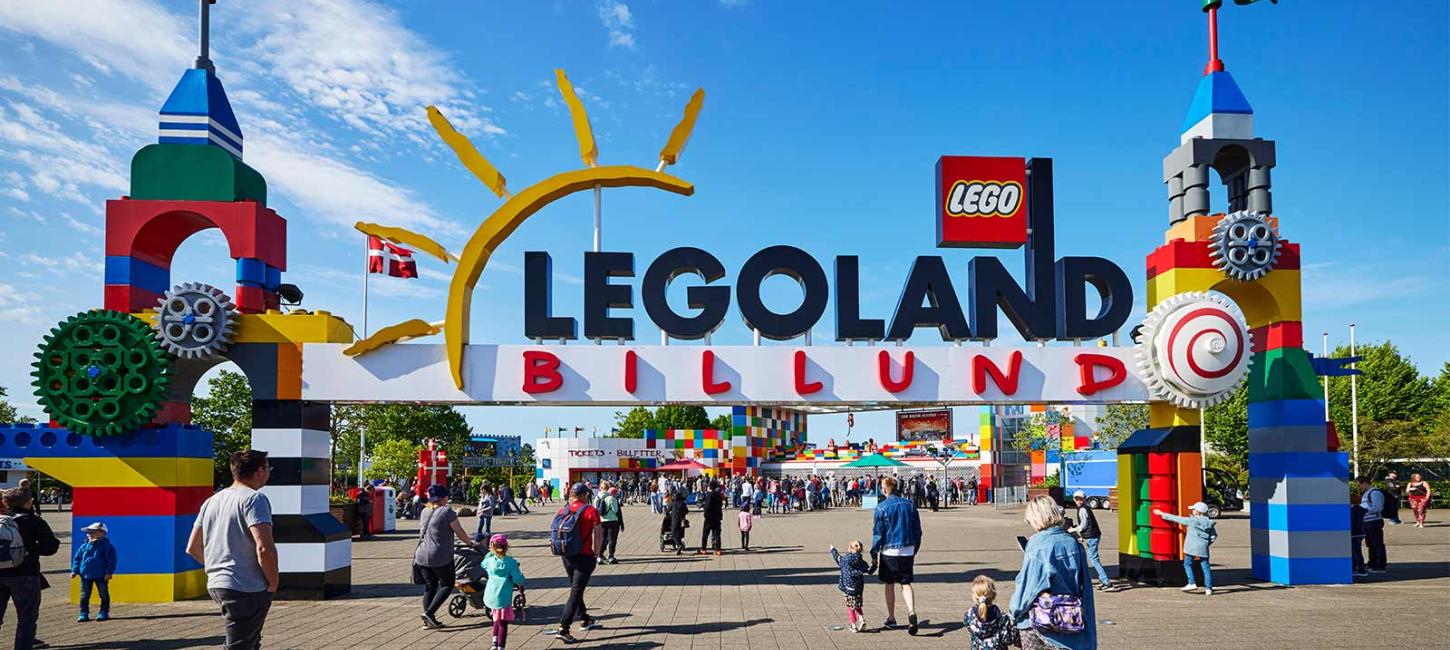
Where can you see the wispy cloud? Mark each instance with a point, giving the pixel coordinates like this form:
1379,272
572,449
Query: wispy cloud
619,21
18,305
1331,284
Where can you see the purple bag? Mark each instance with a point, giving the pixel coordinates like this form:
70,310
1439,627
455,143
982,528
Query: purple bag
1056,614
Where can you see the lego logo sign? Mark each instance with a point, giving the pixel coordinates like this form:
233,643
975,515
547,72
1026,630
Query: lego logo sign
981,202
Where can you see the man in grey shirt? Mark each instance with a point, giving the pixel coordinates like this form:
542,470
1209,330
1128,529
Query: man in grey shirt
232,539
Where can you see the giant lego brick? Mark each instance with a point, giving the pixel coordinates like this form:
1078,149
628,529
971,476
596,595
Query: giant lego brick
185,172
152,230
1283,374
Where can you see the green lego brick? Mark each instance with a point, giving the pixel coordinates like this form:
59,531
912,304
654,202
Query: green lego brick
191,172
1145,541
1140,465
1283,373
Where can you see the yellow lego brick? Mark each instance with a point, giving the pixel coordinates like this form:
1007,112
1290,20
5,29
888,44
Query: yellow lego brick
1165,414
126,472
1127,505
1270,299
277,327
149,587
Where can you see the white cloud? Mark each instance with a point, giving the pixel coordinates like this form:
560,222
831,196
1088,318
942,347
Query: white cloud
17,305
80,226
104,35
1329,284
17,194
617,18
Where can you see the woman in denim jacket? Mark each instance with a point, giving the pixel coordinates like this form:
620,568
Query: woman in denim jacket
1053,563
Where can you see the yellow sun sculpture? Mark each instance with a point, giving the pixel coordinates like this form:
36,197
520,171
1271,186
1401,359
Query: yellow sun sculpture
516,209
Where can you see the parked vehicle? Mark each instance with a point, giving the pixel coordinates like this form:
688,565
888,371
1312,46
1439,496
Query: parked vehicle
1093,472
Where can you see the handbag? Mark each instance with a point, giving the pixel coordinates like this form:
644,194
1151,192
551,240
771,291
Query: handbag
1061,614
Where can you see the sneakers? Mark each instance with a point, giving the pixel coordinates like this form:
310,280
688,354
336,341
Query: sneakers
564,637
890,623
911,624
1188,587
1379,570
1105,586
588,624
1208,591
104,616
84,617
1361,573
431,622
717,552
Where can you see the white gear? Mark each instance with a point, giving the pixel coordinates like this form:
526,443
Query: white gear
195,321
1245,245
1195,349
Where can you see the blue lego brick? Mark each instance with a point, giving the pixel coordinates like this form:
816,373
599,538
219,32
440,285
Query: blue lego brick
124,269
1286,412
274,278
170,441
1299,464
138,538
1303,570
251,272
1299,517
1216,93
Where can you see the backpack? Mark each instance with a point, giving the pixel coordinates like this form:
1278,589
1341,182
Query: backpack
12,545
564,536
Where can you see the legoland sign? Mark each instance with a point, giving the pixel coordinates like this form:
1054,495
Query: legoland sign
994,201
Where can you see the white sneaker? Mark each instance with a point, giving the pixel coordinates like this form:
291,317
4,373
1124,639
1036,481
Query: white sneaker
1189,587
1208,592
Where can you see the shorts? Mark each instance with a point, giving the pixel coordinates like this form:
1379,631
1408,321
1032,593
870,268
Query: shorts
897,569
853,601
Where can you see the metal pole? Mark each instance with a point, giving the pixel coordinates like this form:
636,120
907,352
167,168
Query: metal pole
1325,351
1354,402
367,270
598,214
362,446
203,59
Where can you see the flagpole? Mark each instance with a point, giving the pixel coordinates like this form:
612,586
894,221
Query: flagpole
1354,400
1325,351
367,270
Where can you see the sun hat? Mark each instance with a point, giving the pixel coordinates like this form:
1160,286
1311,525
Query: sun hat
1199,507
96,526
1079,495
499,539
437,493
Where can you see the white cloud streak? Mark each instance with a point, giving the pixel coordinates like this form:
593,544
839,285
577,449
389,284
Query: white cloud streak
619,21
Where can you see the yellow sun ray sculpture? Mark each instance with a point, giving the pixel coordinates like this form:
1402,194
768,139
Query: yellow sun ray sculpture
516,209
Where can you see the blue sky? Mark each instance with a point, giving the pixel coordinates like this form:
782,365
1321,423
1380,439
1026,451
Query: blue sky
821,127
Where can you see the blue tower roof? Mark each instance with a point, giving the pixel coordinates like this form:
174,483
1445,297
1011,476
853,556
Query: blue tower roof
197,112
1217,94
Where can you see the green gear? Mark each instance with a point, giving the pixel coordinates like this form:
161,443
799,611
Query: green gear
101,373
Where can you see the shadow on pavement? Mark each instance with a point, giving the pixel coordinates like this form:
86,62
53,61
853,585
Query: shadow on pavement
691,629
152,644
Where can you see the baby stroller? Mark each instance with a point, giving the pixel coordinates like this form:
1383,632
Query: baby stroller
667,535
470,579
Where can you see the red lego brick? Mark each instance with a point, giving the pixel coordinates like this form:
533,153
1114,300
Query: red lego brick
152,230
129,299
1285,334
1161,463
251,300
1179,254
1164,544
1162,488
173,413
123,501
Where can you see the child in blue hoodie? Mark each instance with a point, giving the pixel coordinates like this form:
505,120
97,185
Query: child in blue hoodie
95,563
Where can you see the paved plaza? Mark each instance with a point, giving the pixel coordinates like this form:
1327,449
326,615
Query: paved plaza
782,594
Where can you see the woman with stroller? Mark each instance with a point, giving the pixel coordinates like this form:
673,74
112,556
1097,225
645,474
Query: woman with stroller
676,513
433,559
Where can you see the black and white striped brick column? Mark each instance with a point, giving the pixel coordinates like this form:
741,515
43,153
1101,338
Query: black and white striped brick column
314,549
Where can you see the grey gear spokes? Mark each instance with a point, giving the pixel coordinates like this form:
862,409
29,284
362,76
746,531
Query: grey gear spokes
195,321
1245,245
1195,349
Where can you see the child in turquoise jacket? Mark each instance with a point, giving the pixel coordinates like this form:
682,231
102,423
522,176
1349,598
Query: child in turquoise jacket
1200,535
503,576
95,563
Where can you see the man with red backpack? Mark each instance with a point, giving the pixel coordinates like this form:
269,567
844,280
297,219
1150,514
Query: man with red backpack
574,536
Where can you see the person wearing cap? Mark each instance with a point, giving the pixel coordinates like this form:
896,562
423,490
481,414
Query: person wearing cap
433,558
1087,530
503,577
1200,535
580,566
94,563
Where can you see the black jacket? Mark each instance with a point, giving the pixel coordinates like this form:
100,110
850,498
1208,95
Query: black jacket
714,507
678,513
39,540
1087,524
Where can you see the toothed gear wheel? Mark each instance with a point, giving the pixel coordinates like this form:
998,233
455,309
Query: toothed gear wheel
1245,246
195,321
101,373
1195,349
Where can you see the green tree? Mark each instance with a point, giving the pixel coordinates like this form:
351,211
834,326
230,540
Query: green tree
1226,427
9,415
682,417
225,411
1390,388
413,423
1034,433
632,423
393,459
1119,421
722,422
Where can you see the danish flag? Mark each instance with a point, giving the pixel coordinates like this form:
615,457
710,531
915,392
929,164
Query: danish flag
392,260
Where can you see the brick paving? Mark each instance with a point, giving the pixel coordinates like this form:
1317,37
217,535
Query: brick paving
782,595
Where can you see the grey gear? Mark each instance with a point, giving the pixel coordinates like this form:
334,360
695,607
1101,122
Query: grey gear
1245,245
195,321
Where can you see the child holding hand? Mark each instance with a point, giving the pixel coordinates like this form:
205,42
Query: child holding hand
990,627
852,582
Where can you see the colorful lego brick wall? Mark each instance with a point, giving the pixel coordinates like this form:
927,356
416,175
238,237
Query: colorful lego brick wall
146,486
762,432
